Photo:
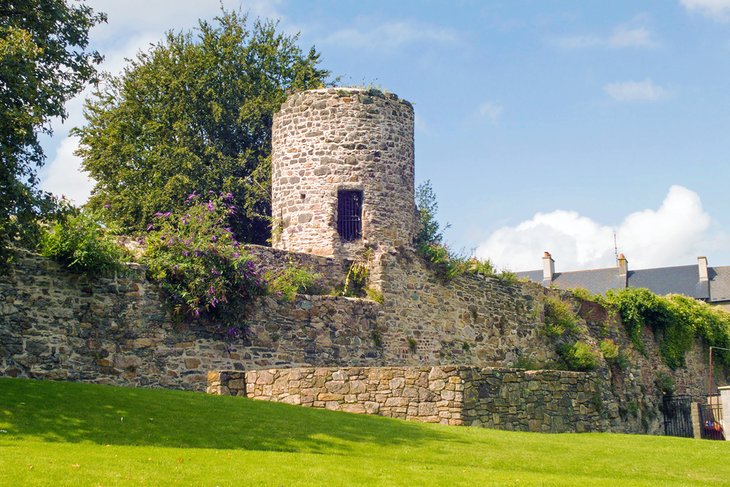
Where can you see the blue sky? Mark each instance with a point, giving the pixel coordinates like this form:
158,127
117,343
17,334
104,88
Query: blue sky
542,125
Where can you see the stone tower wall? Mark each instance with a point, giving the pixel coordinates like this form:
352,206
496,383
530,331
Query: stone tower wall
342,139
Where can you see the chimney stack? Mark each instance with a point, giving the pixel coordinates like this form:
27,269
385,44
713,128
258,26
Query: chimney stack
623,269
548,269
702,266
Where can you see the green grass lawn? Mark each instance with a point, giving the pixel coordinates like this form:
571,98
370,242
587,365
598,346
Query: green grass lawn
56,433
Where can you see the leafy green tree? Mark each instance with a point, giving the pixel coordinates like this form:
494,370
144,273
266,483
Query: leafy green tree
44,62
194,113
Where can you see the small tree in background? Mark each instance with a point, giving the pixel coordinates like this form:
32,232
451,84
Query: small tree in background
429,229
194,113
44,62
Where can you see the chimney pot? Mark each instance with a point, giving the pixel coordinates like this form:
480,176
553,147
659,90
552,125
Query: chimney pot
702,267
548,268
623,270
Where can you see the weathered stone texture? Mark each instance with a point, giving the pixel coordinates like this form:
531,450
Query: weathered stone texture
406,393
539,400
342,139
58,325
510,399
331,272
470,320
55,324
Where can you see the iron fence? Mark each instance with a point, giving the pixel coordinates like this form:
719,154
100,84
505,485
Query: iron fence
711,419
677,411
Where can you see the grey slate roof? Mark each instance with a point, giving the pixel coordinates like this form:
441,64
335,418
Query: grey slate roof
664,280
719,283
671,280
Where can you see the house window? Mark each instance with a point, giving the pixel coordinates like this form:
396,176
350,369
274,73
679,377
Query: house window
349,214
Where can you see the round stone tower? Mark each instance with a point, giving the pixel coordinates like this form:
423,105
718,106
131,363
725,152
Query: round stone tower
342,172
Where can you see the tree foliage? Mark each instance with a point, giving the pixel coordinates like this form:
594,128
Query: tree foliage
429,229
194,113
44,62
429,242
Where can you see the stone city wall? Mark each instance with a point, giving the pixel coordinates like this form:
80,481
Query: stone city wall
56,324
510,399
469,320
539,400
60,325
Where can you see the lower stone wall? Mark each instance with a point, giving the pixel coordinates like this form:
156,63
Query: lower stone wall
509,399
539,400
428,394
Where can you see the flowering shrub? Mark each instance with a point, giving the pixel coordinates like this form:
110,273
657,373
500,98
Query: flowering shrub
199,263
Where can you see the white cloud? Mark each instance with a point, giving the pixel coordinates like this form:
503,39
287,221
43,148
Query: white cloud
490,110
392,34
420,124
636,91
64,176
623,36
673,234
160,16
716,9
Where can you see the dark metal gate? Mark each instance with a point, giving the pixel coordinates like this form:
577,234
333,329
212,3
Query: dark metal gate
677,415
711,419
349,214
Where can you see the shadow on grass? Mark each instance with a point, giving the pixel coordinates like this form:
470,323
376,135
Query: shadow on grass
72,412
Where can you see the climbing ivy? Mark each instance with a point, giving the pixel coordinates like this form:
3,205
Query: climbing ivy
676,321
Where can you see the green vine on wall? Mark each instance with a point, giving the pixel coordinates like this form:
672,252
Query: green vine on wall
676,321
563,325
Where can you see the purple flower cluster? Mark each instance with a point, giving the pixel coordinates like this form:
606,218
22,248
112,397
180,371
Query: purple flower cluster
202,264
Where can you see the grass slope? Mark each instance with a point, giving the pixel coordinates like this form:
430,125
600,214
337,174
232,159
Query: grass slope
57,433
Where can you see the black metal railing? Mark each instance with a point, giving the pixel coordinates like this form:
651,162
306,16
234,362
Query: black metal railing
349,214
711,419
677,415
